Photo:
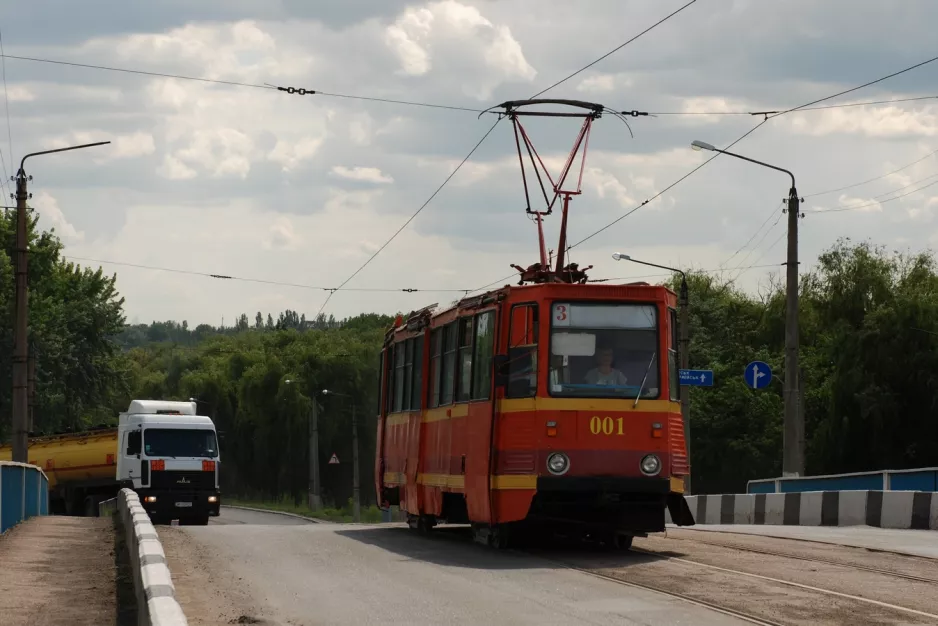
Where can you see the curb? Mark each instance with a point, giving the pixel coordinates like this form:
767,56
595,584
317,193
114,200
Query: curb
153,585
916,510
311,520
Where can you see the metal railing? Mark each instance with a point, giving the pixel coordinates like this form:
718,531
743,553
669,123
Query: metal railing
24,493
922,479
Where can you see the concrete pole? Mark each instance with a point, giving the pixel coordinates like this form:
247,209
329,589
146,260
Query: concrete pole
356,485
20,326
315,498
793,439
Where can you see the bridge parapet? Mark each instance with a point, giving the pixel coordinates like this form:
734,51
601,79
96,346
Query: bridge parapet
922,479
24,493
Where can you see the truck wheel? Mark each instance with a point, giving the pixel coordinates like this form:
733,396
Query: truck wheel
202,520
91,506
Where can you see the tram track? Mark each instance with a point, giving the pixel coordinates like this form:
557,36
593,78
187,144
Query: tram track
798,557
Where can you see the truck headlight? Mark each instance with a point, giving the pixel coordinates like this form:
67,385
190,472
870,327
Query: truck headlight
558,463
651,465
150,499
213,498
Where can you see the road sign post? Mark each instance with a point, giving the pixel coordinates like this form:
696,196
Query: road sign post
696,378
758,375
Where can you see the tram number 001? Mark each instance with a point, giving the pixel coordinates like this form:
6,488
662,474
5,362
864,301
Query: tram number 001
607,425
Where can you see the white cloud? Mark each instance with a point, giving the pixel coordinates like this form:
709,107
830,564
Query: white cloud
51,216
603,83
290,155
362,174
461,44
20,93
126,146
174,169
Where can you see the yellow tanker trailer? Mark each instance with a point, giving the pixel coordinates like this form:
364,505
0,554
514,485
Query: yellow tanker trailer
82,468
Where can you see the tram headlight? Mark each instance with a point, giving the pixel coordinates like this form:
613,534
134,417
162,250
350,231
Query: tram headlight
558,463
651,465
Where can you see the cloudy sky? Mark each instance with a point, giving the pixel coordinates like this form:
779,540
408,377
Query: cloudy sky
255,183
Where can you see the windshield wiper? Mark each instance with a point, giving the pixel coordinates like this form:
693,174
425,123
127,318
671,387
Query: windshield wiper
644,378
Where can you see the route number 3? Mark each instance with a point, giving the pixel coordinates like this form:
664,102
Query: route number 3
561,315
606,425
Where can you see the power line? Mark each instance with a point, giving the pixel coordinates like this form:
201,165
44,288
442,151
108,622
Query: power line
822,193
414,215
709,271
876,202
235,83
250,280
749,132
778,112
614,50
755,234
6,98
753,249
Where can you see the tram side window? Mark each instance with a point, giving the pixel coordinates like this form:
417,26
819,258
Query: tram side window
436,364
482,356
408,373
464,378
416,381
398,378
675,379
448,375
522,352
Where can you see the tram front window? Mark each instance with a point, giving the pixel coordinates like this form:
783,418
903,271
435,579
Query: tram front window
604,351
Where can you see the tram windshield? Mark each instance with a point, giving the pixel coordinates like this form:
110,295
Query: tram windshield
604,351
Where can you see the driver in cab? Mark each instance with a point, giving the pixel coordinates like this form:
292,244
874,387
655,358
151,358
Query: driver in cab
604,373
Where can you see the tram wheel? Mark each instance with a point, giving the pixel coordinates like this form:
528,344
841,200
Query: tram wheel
622,542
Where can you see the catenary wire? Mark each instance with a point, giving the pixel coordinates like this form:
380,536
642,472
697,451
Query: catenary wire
818,108
232,83
70,257
869,204
6,101
749,132
614,50
871,180
754,235
413,215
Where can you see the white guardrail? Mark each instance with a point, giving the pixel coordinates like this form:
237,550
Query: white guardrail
153,585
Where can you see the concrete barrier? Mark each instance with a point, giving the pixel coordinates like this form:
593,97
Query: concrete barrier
153,585
24,493
917,510
921,479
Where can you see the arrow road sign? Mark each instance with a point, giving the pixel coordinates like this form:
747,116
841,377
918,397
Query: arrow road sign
333,460
697,378
758,375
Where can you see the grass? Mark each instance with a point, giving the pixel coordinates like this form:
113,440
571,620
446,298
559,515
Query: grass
371,514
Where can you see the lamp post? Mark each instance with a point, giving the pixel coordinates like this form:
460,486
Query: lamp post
20,326
684,303
793,440
315,499
356,485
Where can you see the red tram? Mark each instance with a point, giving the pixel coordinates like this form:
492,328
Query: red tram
545,406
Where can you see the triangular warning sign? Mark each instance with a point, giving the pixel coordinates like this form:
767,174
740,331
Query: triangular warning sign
333,460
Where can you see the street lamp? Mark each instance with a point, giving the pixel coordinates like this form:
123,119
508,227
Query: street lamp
793,440
20,332
356,486
683,300
315,499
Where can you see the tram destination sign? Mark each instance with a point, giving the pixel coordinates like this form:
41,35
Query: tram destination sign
696,378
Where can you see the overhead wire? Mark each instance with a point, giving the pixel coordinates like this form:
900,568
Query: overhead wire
871,180
812,108
73,258
880,202
235,83
753,249
755,234
413,215
749,132
6,102
614,50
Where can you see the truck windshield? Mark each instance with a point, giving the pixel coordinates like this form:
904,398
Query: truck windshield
604,350
179,442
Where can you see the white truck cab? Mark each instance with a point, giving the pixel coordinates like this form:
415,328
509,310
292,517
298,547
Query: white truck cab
169,455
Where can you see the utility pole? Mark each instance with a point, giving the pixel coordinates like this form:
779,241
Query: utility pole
685,364
315,499
793,439
356,485
20,338
20,325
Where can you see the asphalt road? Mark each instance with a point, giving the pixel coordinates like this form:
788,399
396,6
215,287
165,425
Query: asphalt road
286,571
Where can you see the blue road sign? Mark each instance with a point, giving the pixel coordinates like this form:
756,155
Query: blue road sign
698,378
758,375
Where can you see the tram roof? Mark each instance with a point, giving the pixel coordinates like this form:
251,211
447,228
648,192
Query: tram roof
635,292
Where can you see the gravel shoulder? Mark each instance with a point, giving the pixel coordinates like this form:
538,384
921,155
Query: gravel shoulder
58,571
